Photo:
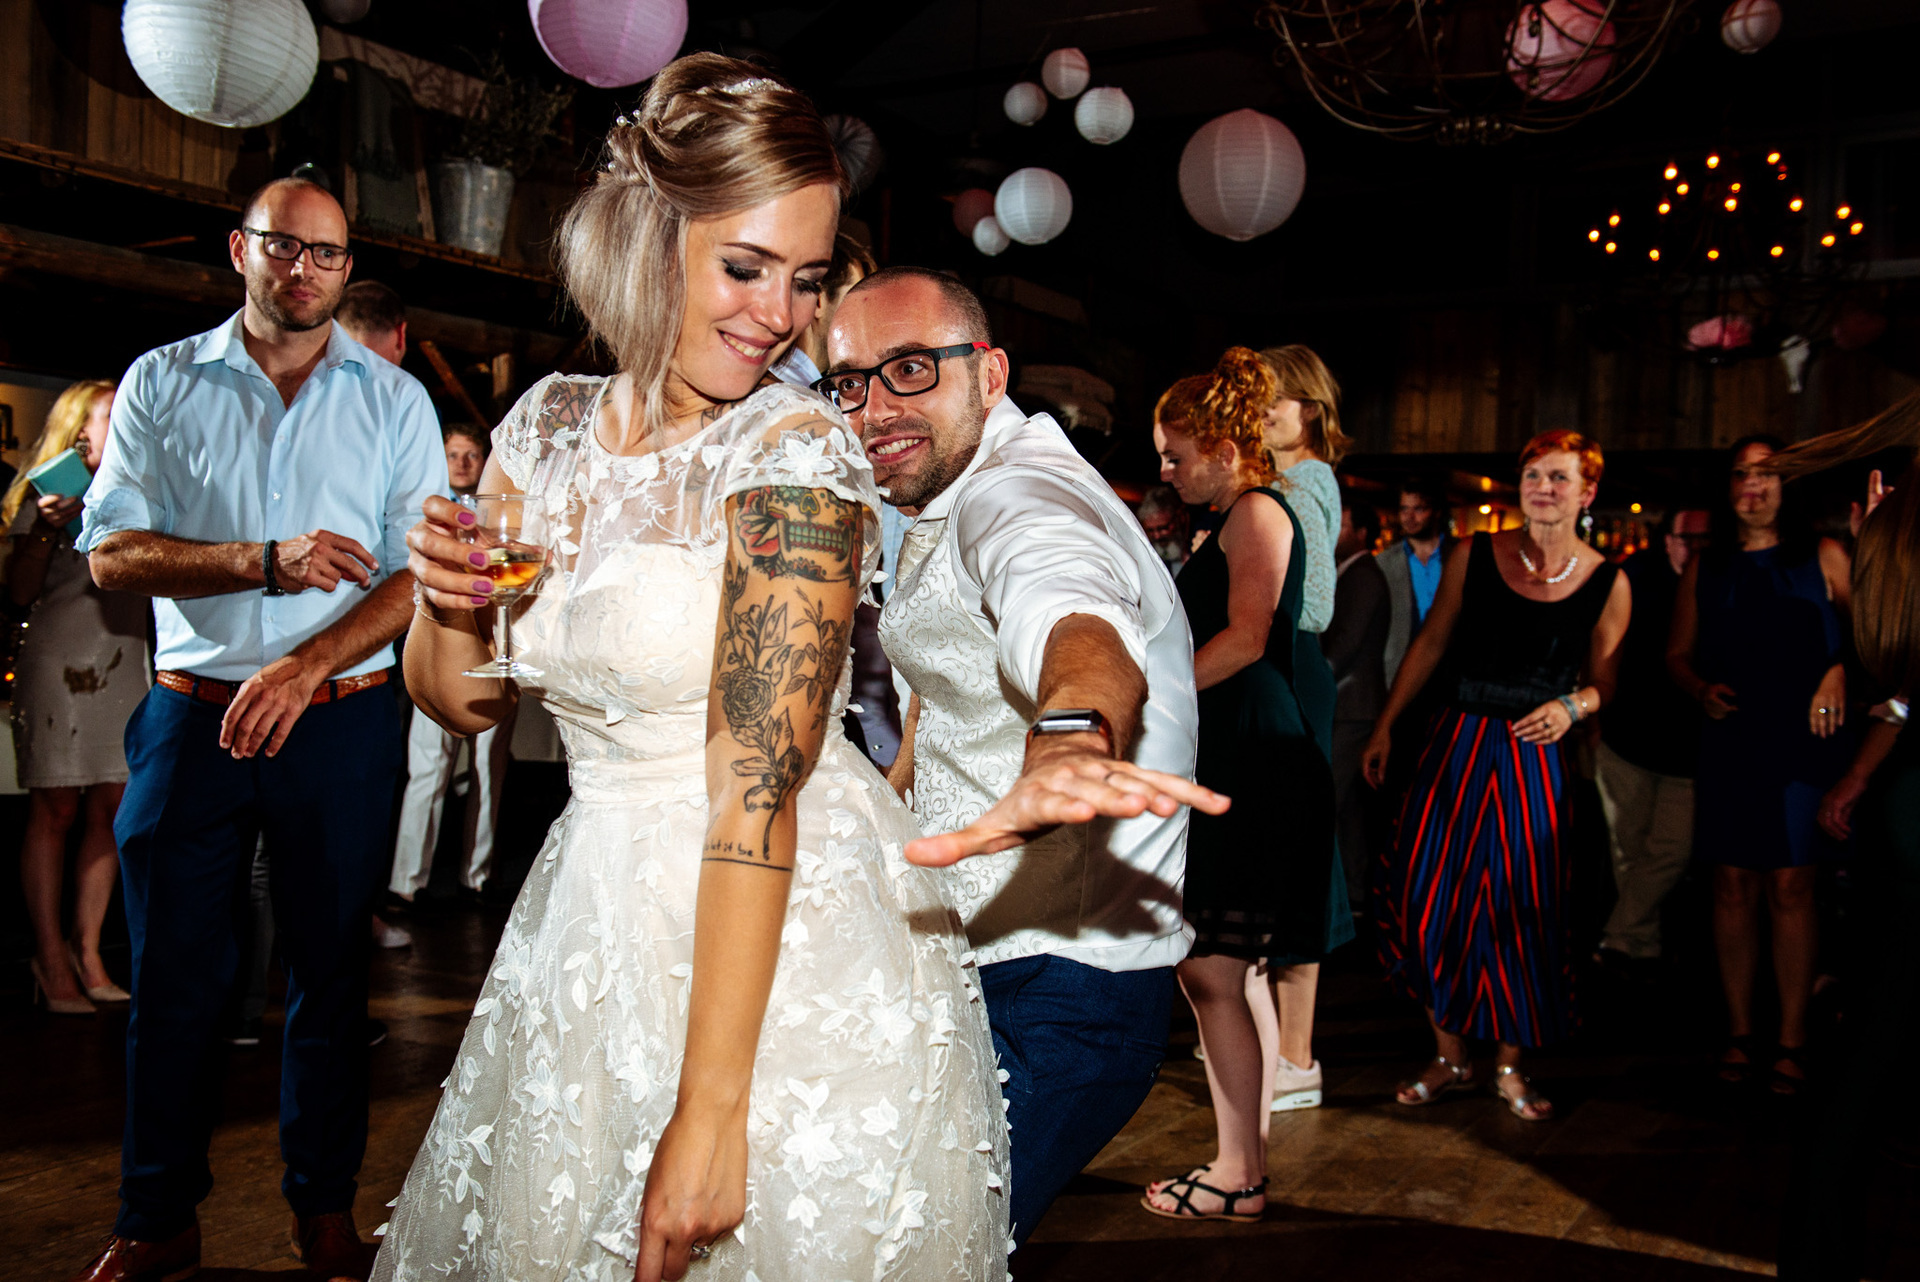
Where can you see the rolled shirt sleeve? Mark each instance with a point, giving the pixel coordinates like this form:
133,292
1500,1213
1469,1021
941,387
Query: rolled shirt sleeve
127,493
1040,552
419,471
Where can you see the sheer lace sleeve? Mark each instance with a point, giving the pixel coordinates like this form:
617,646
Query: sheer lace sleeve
551,413
784,436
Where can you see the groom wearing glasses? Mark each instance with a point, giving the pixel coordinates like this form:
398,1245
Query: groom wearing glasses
1052,727
258,484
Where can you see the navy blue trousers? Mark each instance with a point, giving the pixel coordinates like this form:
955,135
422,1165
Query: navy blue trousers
1081,1048
187,829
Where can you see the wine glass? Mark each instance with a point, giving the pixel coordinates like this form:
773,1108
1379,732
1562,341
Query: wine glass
515,563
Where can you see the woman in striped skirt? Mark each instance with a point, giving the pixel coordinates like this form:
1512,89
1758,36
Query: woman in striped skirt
1525,637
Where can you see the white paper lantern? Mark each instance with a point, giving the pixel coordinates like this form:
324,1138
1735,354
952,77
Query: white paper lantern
224,62
969,207
1033,205
1748,26
344,11
1065,72
989,237
1241,174
1104,115
609,43
1025,103
858,148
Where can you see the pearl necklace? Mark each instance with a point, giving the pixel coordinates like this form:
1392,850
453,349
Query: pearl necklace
1535,570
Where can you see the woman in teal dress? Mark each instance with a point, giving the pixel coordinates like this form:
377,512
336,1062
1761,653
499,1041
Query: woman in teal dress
1252,895
1301,431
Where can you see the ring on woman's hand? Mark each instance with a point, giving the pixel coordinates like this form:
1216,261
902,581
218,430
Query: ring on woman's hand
699,1250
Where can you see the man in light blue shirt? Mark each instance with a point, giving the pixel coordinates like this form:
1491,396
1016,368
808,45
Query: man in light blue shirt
259,484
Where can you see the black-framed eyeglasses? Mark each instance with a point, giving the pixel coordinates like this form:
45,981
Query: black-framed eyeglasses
908,374
328,258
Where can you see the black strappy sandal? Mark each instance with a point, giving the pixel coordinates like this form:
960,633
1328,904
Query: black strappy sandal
1734,1073
1181,1190
1786,1083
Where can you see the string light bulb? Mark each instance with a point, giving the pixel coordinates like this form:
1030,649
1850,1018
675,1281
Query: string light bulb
1857,228
1613,220
1634,508
1713,253
1843,212
1794,204
1778,250
1653,255
1611,246
1782,175
1672,172
1486,509
1713,161
1734,187
1828,240
1732,204
1594,235
1681,190
1773,158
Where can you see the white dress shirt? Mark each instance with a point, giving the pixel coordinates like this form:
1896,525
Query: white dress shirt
1028,535
203,448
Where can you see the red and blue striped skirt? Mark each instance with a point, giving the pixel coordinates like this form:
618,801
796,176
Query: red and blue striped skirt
1471,903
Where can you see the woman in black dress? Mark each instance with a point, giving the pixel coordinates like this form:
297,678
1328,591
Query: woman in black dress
1525,637
1248,898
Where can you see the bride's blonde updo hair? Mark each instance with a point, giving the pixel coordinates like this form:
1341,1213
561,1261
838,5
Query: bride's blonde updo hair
713,135
1229,404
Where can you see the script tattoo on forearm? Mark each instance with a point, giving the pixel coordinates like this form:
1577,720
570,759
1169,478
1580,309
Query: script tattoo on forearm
766,655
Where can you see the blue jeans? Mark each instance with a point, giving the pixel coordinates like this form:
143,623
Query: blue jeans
187,830
1081,1047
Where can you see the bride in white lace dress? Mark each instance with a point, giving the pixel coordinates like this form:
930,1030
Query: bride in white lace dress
727,1022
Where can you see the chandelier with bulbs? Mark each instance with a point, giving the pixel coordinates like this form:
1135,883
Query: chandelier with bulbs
1754,265
1479,71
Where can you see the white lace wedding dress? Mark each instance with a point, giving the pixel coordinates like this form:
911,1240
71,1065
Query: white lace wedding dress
877,1144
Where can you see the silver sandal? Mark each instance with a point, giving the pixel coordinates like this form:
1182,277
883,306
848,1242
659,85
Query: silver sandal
1461,1078
1527,1099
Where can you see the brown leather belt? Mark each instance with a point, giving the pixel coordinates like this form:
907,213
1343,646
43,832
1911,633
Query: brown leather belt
207,690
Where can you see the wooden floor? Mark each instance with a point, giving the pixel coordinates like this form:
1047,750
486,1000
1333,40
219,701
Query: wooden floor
1651,1173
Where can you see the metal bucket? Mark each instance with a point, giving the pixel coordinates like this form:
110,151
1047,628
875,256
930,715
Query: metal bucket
470,204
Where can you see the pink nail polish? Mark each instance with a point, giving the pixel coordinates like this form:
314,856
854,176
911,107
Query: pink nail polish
482,586
468,518
479,600
477,558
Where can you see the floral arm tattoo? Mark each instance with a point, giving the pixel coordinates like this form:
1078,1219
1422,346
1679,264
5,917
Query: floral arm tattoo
780,647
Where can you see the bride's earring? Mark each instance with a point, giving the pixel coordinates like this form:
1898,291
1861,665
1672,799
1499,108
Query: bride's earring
1586,524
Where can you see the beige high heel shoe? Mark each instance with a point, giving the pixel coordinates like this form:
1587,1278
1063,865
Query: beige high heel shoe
57,1005
107,992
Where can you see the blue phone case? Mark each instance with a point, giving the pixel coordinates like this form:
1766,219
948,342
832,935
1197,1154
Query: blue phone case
64,475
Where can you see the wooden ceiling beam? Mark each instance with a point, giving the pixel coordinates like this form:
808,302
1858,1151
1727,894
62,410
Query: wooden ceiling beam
195,283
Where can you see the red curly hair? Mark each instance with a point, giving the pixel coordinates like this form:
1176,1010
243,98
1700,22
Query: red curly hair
1230,404
1563,440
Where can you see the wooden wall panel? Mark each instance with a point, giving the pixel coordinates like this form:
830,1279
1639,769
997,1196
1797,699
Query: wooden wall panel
1446,394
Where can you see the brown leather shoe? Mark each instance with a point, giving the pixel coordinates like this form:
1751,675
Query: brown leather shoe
122,1259
330,1246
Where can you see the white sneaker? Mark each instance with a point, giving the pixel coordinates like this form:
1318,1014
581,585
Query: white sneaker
1295,1087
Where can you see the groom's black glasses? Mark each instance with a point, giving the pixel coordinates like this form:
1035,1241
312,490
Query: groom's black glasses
908,374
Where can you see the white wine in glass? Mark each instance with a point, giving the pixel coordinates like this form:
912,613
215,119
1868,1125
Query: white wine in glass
515,562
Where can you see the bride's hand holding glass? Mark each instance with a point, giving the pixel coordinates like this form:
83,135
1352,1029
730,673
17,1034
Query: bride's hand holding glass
488,549
451,572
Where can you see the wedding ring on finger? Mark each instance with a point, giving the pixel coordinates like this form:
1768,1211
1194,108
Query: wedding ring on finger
699,1250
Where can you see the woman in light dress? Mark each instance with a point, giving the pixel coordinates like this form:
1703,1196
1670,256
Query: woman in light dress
728,1026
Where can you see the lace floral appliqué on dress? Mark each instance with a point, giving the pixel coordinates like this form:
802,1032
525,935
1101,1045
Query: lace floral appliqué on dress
877,1146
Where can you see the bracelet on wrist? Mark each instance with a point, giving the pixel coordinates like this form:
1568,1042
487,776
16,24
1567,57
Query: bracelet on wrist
425,608
272,587
1572,705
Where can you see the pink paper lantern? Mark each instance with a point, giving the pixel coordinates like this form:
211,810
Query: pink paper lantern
609,43
969,207
1720,334
1748,26
1560,49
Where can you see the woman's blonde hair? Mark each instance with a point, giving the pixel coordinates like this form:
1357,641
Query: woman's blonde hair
713,136
64,421
1230,404
1302,376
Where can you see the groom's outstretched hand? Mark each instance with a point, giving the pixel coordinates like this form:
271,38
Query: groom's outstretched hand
1067,779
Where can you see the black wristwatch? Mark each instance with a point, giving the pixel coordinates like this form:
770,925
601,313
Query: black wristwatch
1072,721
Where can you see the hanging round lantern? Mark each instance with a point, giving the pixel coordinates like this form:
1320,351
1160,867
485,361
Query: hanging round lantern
1104,115
1720,334
969,207
1032,206
1065,72
1748,26
989,237
1025,103
1559,50
858,148
1241,174
609,43
217,62
345,11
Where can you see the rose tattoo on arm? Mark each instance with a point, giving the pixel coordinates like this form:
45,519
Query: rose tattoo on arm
779,653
